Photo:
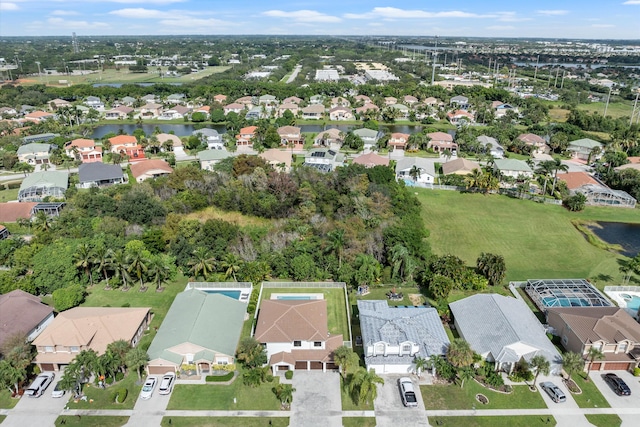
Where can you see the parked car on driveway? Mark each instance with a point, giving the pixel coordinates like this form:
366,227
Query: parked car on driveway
57,391
148,387
166,384
40,384
617,384
407,392
553,391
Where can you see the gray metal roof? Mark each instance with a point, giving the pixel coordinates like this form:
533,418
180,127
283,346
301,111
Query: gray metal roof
425,165
420,325
91,172
491,322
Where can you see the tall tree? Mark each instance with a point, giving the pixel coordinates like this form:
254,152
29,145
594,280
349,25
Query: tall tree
572,362
201,263
103,258
230,265
121,266
459,353
284,393
138,258
557,166
492,267
363,385
593,354
158,271
337,242
346,359
137,359
541,366
415,173
120,349
83,258
11,376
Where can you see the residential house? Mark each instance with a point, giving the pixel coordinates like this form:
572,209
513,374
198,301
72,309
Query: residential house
459,117
635,166
234,108
38,185
94,102
292,100
176,98
501,109
329,138
316,99
209,158
279,159
4,233
586,149
7,112
256,113
432,102
461,102
23,315
245,137
176,112
537,143
150,98
340,113
293,108
290,135
364,99
340,102
200,329
127,146
119,113
127,101
12,211
150,168
324,159
170,142
211,137
513,168
150,110
205,109
313,112
88,328
393,337
503,330
370,160
410,100
596,192
611,330
295,334
390,100
491,146
38,116
99,175
425,172
268,101
401,111
34,153
367,109
220,99
41,137
56,104
460,166
440,141
246,101
369,137
84,150
398,140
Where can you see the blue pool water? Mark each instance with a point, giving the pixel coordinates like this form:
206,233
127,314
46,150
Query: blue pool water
229,293
293,297
634,303
565,302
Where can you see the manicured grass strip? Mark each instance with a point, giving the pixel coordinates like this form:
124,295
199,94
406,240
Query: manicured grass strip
336,306
103,398
519,421
604,420
455,397
90,421
348,404
6,402
590,396
2,417
223,422
536,240
358,422
220,397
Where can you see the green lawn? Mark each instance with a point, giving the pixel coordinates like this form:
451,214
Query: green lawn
347,402
6,402
455,397
7,195
102,398
2,417
590,396
604,420
90,421
615,109
220,397
358,422
223,422
537,241
518,421
336,305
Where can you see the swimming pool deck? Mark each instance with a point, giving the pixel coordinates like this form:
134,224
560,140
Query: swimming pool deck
616,293
297,296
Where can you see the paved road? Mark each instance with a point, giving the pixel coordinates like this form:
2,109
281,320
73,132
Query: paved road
294,74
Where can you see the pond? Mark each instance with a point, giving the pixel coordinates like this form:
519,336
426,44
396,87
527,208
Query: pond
624,234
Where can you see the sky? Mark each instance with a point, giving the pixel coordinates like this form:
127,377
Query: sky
575,19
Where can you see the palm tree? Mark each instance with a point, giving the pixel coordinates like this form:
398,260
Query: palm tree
545,168
136,359
87,362
108,364
421,364
557,166
138,263
83,259
10,374
336,239
415,173
541,365
119,349
42,222
363,386
594,353
572,363
465,373
401,261
284,393
474,179
230,264
201,263
459,353
346,359
121,266
103,257
158,271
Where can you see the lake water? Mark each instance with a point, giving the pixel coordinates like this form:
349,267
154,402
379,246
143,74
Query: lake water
571,65
187,129
624,234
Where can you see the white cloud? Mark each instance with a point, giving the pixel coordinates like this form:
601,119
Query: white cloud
632,2
501,27
142,13
64,13
139,1
302,16
602,26
8,6
395,13
77,25
195,23
552,12
510,17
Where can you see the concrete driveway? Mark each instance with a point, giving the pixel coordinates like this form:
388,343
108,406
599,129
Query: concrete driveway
316,401
390,412
37,411
616,401
557,408
149,412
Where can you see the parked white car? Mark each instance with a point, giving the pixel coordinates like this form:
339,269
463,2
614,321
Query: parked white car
407,392
57,391
148,387
166,384
40,384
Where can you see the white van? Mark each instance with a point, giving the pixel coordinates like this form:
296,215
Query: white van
40,384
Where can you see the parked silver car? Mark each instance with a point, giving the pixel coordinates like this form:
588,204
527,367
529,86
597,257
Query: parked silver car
407,392
553,391
148,387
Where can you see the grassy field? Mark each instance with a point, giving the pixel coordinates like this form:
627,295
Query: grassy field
590,396
358,422
6,402
536,240
220,397
456,397
124,76
604,420
336,306
103,398
8,195
615,109
520,421
223,422
234,217
90,420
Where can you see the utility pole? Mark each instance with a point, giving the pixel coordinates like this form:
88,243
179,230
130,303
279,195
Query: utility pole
606,106
39,72
633,112
562,82
535,73
555,84
435,57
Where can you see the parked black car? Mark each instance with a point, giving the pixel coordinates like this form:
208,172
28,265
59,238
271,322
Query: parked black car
617,384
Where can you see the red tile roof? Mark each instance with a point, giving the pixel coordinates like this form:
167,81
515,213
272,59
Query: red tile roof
577,179
11,212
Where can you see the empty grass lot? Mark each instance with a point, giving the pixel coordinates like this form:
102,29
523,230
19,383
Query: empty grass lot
223,422
536,240
590,396
604,420
90,421
519,421
456,397
336,306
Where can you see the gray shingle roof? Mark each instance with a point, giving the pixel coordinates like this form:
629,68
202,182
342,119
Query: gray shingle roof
379,322
406,163
91,172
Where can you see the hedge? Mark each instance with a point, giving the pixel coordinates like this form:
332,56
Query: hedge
220,378
120,395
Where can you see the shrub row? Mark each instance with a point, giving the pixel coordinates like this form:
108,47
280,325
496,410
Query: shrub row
120,395
219,378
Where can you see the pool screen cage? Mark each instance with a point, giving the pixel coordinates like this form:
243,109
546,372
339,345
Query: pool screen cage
547,293
602,196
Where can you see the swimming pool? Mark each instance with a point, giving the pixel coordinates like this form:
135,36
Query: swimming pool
565,302
227,292
294,297
633,303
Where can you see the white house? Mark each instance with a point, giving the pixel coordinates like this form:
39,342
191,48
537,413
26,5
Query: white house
426,170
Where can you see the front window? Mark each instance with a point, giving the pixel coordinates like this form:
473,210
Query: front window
75,349
317,344
48,349
623,347
297,343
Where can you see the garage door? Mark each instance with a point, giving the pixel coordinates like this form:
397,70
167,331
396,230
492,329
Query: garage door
46,367
160,370
595,366
283,367
616,366
301,365
332,366
316,365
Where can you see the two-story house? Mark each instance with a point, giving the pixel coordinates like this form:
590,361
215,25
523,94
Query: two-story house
84,150
290,135
127,146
